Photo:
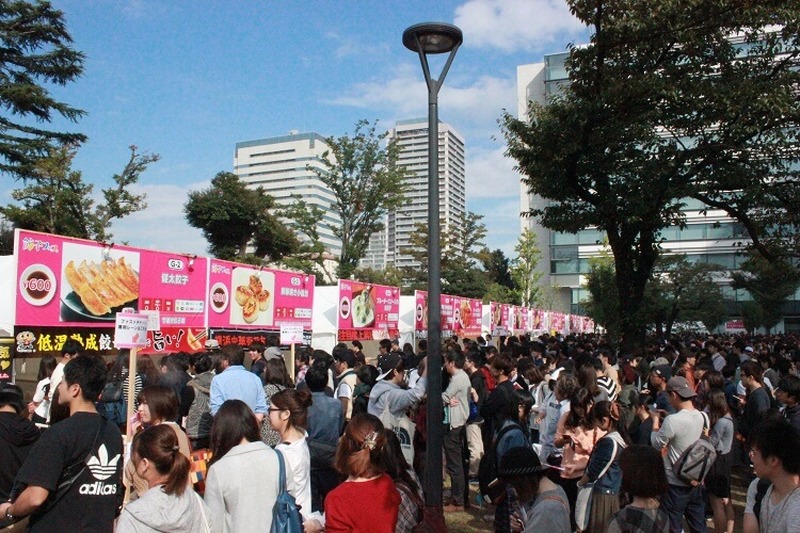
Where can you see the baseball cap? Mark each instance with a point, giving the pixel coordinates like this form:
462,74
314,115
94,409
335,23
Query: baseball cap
663,371
748,349
679,385
387,363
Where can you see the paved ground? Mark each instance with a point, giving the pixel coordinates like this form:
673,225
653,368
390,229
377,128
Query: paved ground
472,519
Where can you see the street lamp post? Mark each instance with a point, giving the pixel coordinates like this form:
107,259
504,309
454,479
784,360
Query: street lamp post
434,38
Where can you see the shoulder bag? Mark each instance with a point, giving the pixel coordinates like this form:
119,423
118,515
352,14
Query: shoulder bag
583,503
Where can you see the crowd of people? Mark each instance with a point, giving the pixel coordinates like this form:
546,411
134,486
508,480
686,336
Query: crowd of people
560,434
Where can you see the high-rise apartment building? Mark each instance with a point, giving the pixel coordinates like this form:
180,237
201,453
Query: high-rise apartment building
284,166
709,235
391,246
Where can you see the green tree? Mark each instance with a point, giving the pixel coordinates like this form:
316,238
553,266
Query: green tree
770,283
657,110
391,276
524,269
36,53
681,291
310,254
496,265
495,292
234,218
461,249
602,306
366,183
57,200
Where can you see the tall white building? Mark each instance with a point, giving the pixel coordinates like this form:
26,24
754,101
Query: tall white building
390,247
281,166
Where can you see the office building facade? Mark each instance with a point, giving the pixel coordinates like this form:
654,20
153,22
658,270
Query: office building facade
391,247
285,167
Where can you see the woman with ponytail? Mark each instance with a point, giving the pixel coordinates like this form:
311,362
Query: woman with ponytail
288,415
368,499
603,468
169,504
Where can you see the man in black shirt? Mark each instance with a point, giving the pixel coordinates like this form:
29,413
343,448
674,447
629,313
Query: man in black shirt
72,478
17,436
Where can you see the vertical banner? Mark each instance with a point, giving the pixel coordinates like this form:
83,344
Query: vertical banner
421,314
367,311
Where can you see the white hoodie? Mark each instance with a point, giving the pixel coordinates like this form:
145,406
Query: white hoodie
157,511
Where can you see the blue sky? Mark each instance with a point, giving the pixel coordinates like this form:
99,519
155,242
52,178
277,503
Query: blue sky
187,80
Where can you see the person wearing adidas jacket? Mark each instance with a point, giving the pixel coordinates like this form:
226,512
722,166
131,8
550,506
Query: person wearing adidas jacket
677,433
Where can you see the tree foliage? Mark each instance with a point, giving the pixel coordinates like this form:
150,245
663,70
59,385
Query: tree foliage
602,306
36,52
770,283
461,250
524,270
366,183
234,218
658,108
496,266
680,291
57,200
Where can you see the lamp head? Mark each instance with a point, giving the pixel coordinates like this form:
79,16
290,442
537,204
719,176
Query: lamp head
432,38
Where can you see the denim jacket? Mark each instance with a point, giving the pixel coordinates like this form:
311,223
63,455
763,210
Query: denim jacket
601,455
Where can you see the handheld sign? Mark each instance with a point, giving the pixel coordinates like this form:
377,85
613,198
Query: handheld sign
291,334
130,330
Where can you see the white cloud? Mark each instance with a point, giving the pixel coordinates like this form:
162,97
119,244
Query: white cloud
514,25
490,174
162,226
472,108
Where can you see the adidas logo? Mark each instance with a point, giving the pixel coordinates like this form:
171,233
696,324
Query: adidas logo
100,467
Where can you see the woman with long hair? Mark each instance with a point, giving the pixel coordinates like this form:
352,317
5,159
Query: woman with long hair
288,414
577,434
243,471
39,408
603,468
587,379
407,482
169,503
359,457
158,405
718,480
276,379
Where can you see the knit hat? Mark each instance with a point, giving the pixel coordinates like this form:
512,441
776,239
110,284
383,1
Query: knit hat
520,461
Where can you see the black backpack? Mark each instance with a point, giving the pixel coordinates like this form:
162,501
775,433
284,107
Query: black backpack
492,488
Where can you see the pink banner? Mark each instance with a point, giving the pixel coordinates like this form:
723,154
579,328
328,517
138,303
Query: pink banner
70,282
466,317
247,297
367,311
460,316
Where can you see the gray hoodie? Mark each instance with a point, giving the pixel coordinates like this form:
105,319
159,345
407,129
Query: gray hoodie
398,398
157,511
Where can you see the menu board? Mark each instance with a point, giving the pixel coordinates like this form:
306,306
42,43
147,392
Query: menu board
500,319
252,298
367,311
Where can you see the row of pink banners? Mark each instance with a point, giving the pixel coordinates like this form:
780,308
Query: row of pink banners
72,289
507,319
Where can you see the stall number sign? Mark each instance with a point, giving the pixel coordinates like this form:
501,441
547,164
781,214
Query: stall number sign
130,330
292,334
